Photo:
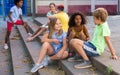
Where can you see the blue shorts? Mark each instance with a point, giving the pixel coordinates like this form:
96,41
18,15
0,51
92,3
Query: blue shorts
90,49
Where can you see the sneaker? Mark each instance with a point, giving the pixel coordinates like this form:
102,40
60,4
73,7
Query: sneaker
75,58
29,34
29,39
6,46
36,67
85,64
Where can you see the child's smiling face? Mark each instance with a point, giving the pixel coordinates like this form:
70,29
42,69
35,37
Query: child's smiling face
58,25
78,20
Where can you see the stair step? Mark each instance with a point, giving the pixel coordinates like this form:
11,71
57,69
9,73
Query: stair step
5,55
33,49
104,64
68,67
20,59
41,20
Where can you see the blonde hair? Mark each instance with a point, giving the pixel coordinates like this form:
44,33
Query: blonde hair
51,26
101,13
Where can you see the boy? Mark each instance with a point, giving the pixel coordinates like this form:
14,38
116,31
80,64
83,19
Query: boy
101,37
15,17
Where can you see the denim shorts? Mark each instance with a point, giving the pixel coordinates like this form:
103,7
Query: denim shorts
90,49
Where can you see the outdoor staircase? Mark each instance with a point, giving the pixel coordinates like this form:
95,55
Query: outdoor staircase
28,52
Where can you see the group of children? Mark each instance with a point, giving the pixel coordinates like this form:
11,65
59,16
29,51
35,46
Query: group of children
63,33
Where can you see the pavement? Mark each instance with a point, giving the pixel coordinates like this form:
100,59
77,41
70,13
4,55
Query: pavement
5,56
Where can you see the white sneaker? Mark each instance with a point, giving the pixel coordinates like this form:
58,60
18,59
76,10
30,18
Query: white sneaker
36,67
6,46
29,34
29,39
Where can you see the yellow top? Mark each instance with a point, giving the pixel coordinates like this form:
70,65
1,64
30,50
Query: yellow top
77,33
64,20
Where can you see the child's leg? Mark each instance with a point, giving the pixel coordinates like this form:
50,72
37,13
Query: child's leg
78,45
7,37
26,26
82,36
39,32
19,22
36,31
65,55
71,36
9,29
46,48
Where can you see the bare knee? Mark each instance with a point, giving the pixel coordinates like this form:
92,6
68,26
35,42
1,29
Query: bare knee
65,55
46,44
25,24
73,41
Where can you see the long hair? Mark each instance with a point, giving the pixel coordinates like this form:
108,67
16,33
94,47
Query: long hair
72,19
51,26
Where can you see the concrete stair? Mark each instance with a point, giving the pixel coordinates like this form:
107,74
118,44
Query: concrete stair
33,50
20,59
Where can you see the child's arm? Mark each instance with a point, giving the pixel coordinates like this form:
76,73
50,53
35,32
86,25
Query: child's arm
53,16
46,39
9,15
109,44
60,53
21,18
86,33
70,34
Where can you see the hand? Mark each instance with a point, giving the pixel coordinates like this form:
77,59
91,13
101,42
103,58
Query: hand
56,41
87,39
114,57
59,54
12,23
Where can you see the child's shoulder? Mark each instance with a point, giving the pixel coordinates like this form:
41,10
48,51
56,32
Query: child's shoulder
64,33
13,6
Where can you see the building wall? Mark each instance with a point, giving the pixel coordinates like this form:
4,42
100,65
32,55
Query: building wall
77,5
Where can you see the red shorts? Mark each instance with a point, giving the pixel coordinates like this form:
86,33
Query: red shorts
9,25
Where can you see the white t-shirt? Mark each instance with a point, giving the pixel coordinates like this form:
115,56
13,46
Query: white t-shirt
16,12
50,13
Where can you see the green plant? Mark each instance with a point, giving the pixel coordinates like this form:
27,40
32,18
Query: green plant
109,69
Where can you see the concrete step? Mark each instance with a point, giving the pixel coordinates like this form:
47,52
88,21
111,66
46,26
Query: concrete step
5,55
106,65
32,47
20,59
33,50
41,20
70,70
